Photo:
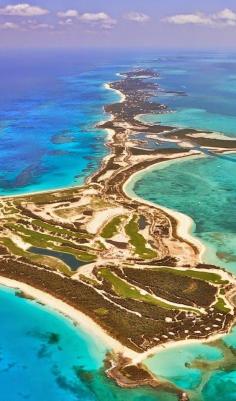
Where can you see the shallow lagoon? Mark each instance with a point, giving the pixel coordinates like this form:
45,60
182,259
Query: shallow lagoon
205,189
206,372
195,118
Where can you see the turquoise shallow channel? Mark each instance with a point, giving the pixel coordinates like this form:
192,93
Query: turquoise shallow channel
49,106
203,188
214,381
195,118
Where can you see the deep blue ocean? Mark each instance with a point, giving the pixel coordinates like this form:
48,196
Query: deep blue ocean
50,103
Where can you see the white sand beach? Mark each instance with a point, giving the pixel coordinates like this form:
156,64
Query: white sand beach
73,314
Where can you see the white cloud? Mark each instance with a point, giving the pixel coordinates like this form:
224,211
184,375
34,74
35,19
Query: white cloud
68,14
9,25
23,10
94,17
137,17
102,19
224,17
27,25
182,19
226,14
66,22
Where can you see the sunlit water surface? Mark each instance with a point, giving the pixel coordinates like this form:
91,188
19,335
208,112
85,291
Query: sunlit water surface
49,106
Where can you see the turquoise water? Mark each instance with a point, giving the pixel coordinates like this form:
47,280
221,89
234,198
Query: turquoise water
39,350
50,103
173,364
208,82
195,118
49,106
43,356
215,380
204,189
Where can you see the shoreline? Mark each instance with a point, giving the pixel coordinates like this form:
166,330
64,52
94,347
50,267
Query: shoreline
119,169
121,95
107,140
185,223
96,332
85,322
182,343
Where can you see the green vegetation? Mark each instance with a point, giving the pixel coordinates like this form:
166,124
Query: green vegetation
123,289
205,276
88,280
9,244
41,240
100,245
48,261
11,210
112,227
34,237
53,263
98,203
58,230
101,311
138,241
47,197
221,306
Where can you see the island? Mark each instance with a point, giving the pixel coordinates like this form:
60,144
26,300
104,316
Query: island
125,269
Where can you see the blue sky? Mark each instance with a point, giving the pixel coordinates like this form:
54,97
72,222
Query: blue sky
118,23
